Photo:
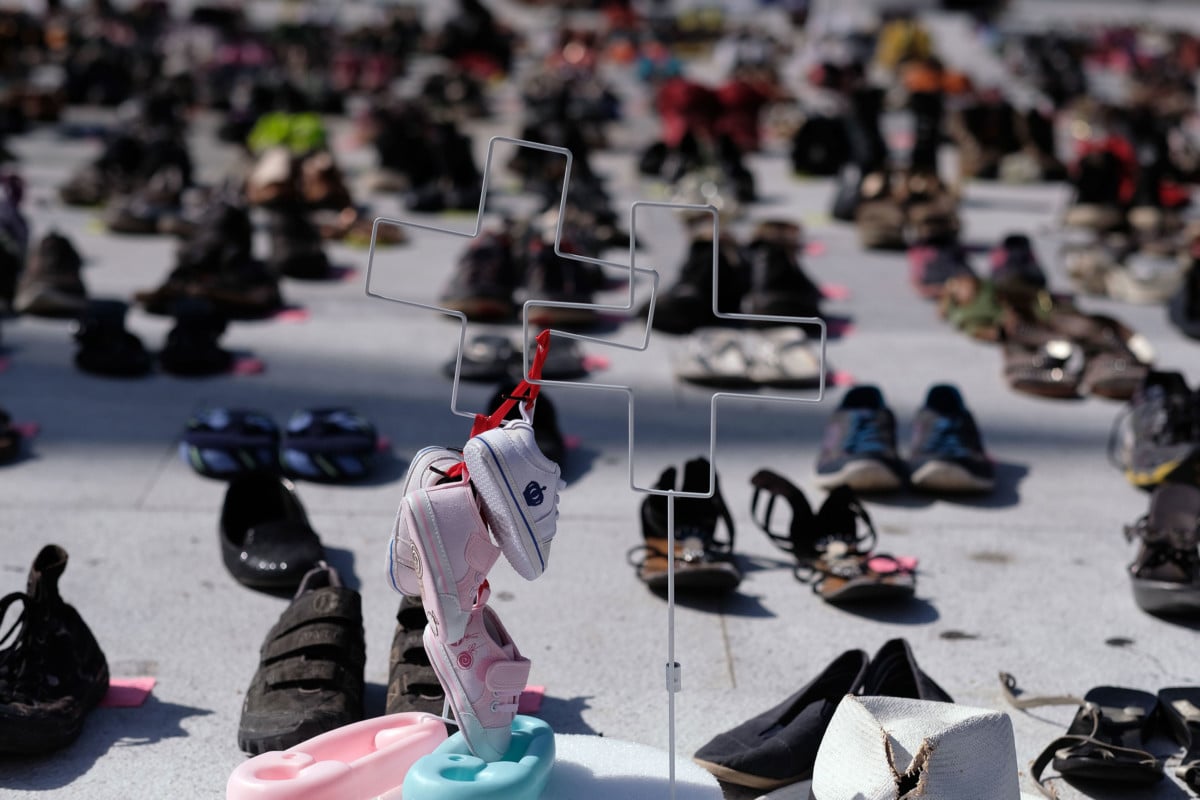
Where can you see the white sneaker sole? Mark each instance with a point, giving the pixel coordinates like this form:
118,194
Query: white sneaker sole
942,476
865,475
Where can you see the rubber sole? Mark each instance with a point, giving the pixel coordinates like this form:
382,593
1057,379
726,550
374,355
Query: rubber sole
33,736
865,475
943,476
514,531
1167,599
745,779
713,577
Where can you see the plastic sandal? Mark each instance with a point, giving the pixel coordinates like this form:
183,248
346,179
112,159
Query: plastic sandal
1181,710
361,761
331,445
223,443
1105,742
452,772
832,554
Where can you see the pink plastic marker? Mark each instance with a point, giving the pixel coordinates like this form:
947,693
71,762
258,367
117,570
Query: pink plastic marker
127,692
28,430
248,365
842,378
815,249
839,327
530,701
572,442
292,315
344,274
383,444
596,363
836,291
4,364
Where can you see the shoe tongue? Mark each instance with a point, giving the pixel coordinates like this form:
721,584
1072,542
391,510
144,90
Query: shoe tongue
47,568
864,397
944,399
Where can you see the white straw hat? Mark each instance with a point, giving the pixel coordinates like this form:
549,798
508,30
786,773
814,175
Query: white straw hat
891,748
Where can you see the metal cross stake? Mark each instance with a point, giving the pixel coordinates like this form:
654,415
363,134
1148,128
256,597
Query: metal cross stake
673,669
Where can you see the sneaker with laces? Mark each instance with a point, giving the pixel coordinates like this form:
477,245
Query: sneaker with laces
53,672
483,674
518,490
947,450
429,467
1159,430
859,446
452,554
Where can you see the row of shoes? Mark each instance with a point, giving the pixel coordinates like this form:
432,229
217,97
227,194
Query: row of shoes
833,548
774,357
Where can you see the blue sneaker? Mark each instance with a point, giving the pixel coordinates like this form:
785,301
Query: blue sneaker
859,446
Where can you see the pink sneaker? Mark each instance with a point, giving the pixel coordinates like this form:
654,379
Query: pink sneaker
428,468
483,675
518,491
452,553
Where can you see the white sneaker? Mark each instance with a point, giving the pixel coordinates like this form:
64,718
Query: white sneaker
518,493
428,468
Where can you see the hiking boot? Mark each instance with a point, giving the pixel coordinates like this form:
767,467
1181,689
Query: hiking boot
484,280
105,346
53,672
483,674
51,286
688,304
518,490
296,246
859,446
947,451
704,561
776,282
1159,431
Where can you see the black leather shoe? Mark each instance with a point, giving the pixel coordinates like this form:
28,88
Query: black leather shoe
266,540
779,746
893,672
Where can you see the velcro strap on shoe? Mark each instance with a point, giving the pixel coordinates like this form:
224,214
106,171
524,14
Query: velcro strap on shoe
339,638
306,671
508,677
412,648
481,553
329,603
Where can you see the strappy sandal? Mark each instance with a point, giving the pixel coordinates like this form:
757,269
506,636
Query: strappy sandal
1105,742
1166,572
831,553
1180,708
310,673
412,683
704,561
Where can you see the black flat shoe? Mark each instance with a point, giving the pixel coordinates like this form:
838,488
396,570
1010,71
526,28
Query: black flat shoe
266,540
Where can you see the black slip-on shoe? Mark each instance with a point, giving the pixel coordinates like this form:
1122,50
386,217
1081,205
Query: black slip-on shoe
266,540
893,672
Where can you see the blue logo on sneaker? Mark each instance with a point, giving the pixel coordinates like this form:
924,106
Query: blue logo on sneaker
534,495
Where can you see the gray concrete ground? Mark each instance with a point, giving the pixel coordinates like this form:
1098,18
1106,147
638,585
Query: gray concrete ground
1030,580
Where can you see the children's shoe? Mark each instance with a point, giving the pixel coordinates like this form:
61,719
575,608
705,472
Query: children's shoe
452,554
52,673
483,674
859,447
947,450
429,467
518,492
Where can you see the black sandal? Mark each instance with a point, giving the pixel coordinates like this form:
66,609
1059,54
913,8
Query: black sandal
1105,742
310,673
832,554
1166,572
1180,708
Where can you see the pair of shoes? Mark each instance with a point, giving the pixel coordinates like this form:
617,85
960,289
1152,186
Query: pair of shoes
899,207
453,524
52,671
1158,432
780,357
946,454
1108,741
266,539
832,554
1166,572
490,357
310,674
330,445
779,746
704,560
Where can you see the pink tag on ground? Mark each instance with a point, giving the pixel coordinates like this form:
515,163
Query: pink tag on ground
572,442
839,327
127,692
4,364
530,701
836,291
815,249
248,366
595,363
383,444
842,378
292,315
28,430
